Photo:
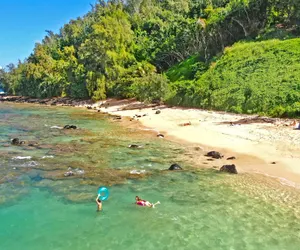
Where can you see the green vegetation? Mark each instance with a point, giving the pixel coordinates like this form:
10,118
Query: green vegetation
217,54
256,77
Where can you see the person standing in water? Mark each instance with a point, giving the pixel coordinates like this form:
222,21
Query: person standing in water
144,203
99,203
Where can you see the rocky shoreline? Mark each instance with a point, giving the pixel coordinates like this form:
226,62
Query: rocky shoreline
58,101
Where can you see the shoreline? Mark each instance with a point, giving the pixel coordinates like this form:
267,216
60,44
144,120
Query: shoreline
268,147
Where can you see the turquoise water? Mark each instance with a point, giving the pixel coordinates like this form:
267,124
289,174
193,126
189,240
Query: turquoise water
200,208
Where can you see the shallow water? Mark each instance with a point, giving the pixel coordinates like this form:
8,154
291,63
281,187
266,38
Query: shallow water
200,208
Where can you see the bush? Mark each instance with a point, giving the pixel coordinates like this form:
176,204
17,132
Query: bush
150,88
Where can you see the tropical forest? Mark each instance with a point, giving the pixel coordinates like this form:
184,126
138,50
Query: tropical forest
240,56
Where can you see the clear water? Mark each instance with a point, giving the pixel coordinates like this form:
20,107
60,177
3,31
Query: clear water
200,208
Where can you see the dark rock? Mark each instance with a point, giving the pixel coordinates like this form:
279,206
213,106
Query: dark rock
138,116
273,162
89,107
175,167
214,154
15,141
229,168
36,178
157,112
134,146
160,135
231,158
70,127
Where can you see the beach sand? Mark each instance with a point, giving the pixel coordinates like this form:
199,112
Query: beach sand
266,148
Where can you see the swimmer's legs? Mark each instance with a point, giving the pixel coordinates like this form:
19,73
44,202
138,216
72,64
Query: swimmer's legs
154,204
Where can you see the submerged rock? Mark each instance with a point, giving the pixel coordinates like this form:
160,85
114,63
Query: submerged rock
175,166
137,171
214,154
69,173
229,168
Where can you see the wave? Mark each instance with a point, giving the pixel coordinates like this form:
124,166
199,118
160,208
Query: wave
22,158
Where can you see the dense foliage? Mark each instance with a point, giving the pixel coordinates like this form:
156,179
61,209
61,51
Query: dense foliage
171,50
252,77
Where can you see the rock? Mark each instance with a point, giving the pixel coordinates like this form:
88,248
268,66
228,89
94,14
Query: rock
160,135
36,178
157,112
214,154
32,144
135,146
69,173
137,171
273,162
229,168
198,148
17,142
89,107
231,158
118,117
175,166
70,127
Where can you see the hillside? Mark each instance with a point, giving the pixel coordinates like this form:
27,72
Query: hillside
252,77
184,52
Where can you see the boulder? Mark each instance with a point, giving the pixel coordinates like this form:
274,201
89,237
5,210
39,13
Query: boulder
160,135
175,166
214,154
157,112
229,168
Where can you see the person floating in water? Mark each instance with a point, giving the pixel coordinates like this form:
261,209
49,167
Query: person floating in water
99,203
144,203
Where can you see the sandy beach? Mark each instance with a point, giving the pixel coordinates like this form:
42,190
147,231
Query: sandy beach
258,146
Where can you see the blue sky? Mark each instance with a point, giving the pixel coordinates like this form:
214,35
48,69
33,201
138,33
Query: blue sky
23,23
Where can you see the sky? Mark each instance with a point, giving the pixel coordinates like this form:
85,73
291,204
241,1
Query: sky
23,23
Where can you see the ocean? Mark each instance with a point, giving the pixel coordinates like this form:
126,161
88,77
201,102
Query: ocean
44,207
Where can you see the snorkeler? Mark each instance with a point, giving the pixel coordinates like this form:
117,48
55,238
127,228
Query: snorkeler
144,203
99,203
